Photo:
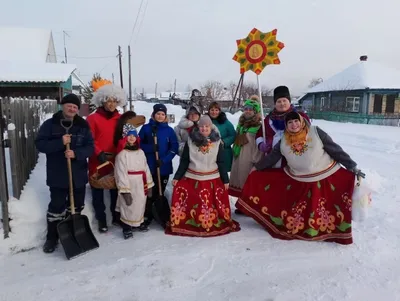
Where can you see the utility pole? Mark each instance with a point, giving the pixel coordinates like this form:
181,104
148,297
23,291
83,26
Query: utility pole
112,75
65,47
130,78
155,92
120,66
173,99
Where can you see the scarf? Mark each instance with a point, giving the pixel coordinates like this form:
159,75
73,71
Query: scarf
246,125
297,139
278,118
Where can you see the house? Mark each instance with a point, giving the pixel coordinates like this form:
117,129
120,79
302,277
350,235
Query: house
28,65
365,92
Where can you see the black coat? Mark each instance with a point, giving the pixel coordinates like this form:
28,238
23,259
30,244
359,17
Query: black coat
49,141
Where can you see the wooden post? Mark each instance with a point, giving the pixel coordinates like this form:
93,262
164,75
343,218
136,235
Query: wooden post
130,78
3,179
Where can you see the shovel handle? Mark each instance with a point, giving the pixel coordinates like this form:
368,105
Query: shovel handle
71,185
158,169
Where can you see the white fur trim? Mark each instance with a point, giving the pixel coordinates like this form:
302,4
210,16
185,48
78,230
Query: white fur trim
105,92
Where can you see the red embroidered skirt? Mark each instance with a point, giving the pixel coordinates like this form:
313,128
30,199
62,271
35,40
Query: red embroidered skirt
289,209
200,208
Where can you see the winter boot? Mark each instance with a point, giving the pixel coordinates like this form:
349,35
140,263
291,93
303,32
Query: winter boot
116,220
103,226
49,246
142,228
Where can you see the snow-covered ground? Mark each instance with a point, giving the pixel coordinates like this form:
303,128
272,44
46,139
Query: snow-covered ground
247,265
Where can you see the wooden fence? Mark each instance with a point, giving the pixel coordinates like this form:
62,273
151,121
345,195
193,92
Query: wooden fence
20,122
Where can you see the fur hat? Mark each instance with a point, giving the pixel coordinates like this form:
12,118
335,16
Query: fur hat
71,98
104,93
205,120
281,92
159,107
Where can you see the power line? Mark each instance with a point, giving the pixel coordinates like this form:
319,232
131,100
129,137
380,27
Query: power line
134,25
141,22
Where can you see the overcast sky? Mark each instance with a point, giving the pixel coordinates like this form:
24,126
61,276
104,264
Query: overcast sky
194,41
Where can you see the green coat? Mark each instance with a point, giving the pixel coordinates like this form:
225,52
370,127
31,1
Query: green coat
228,135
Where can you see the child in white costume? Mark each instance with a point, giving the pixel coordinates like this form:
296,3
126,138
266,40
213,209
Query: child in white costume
134,181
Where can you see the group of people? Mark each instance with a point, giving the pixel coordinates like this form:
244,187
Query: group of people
287,174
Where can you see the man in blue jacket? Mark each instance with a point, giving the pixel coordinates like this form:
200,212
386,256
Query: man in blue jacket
52,140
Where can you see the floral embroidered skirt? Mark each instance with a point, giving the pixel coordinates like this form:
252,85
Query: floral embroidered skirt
200,208
289,209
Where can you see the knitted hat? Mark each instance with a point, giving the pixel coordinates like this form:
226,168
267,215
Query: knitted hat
281,92
71,98
205,120
159,107
252,104
129,129
214,105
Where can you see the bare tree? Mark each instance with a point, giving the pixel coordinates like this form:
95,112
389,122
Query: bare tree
315,81
213,89
250,89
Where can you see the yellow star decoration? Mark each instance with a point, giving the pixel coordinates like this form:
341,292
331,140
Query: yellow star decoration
258,50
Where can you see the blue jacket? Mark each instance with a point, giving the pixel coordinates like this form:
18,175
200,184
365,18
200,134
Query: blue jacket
167,146
49,141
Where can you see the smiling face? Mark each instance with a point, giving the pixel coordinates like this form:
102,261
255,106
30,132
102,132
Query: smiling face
70,110
294,125
205,130
282,104
248,112
214,112
111,104
131,139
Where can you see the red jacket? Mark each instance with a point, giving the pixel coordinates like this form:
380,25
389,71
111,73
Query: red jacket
102,125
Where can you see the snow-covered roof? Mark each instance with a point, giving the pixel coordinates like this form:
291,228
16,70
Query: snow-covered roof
26,44
359,76
34,72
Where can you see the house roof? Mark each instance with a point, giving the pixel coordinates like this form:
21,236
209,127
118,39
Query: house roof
34,72
24,44
359,76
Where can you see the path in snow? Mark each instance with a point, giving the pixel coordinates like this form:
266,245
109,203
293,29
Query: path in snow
247,265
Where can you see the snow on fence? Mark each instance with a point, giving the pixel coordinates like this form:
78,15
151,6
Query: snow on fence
20,122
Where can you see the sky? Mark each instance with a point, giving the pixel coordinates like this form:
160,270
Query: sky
194,41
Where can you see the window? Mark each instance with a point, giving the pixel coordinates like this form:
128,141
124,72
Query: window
378,100
353,104
390,100
322,103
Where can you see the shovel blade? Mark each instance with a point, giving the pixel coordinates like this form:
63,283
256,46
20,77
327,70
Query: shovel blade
161,211
76,236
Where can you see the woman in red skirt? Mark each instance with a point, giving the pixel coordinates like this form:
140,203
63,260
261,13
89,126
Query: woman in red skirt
310,198
200,203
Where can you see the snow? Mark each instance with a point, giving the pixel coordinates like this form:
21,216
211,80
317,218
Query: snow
19,71
25,44
247,265
359,76
11,127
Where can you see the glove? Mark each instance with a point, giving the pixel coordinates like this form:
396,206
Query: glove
128,198
159,163
264,147
150,193
155,148
102,157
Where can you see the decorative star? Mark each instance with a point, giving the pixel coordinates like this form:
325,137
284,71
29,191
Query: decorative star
258,50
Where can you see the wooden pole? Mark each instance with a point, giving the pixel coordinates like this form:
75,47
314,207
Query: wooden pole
120,66
3,178
130,78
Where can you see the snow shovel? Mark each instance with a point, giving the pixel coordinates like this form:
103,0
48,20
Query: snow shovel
160,207
74,232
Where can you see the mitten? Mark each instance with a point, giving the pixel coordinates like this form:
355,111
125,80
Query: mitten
155,147
264,147
102,157
128,198
159,163
150,193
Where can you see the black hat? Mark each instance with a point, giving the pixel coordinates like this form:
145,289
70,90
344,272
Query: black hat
159,107
281,91
292,116
71,98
